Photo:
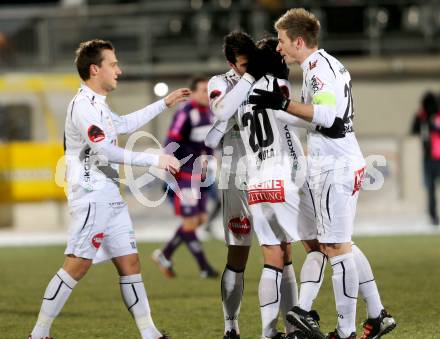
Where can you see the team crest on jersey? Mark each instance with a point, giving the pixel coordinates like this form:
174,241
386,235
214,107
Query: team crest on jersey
214,94
317,84
240,226
271,191
312,65
97,240
95,134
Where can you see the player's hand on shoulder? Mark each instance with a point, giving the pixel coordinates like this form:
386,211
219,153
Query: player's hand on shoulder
177,96
169,163
267,99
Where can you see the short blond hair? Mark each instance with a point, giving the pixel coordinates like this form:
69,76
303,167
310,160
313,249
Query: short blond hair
298,22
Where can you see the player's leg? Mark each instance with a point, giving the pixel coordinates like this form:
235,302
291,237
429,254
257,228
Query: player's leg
337,198
238,237
313,268
312,274
57,292
269,289
345,286
288,287
86,232
191,240
162,257
379,321
134,294
232,287
120,246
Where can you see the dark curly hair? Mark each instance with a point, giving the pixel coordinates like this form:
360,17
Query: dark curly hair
274,61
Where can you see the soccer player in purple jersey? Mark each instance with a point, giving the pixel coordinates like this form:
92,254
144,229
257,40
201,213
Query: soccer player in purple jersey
188,129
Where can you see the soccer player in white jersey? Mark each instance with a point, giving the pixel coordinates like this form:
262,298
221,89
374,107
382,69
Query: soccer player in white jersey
226,93
275,196
101,228
336,169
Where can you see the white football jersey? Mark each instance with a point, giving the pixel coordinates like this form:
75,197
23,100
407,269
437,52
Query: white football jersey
232,146
89,122
273,150
327,81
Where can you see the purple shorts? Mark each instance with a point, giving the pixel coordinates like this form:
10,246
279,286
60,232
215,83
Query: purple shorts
193,200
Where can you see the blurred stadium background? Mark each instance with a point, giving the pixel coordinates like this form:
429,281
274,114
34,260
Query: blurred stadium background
391,48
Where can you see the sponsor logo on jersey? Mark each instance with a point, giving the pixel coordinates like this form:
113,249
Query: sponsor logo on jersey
97,240
95,134
359,177
312,65
290,143
87,165
271,191
214,94
240,226
317,84
342,70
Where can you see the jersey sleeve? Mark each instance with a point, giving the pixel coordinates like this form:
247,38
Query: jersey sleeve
89,124
216,133
321,86
131,122
224,103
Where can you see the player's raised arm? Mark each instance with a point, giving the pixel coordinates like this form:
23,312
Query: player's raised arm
87,120
131,122
216,133
321,112
223,104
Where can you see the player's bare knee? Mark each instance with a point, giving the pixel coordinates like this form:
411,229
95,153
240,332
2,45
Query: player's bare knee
237,257
311,246
127,264
334,249
287,252
190,224
273,255
203,218
76,267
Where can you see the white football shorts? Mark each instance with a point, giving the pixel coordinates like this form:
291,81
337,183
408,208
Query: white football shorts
100,231
281,213
335,193
237,221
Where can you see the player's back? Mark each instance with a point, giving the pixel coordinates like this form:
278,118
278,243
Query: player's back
273,150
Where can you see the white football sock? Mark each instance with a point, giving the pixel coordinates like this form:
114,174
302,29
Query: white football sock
135,298
312,276
57,292
232,286
345,286
289,294
269,296
367,285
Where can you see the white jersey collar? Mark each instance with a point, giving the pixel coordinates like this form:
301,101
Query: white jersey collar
92,95
306,62
233,74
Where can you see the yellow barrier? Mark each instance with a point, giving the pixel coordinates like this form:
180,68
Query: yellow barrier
27,171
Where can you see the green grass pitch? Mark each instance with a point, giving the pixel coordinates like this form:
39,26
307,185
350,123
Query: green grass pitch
407,269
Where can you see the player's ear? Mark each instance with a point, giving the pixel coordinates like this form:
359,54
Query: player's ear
93,69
